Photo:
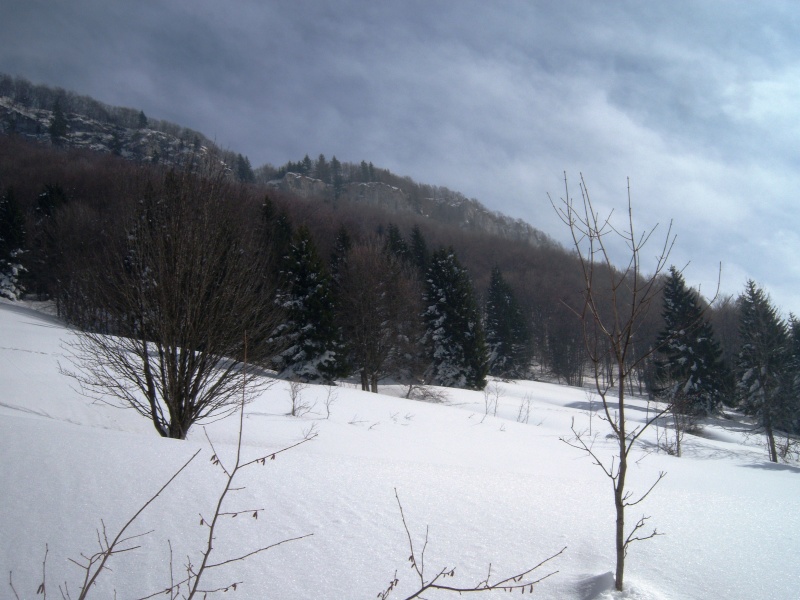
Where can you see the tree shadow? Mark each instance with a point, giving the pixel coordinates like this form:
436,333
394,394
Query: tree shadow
597,406
771,466
595,586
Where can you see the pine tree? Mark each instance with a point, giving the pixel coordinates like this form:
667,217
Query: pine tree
244,172
762,362
312,339
419,250
454,335
337,179
341,248
305,166
277,234
688,368
322,169
507,333
395,244
790,420
12,244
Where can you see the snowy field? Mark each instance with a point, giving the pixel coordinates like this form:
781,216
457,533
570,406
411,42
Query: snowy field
491,489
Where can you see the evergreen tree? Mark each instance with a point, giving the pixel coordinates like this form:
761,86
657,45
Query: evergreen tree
337,179
762,362
310,335
507,333
454,335
322,170
688,368
244,172
141,123
277,233
58,125
306,166
395,245
419,250
12,243
341,248
790,420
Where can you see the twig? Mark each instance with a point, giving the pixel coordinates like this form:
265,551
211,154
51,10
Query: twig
520,581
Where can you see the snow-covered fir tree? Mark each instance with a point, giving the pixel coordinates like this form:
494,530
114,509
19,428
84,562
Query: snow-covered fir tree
312,341
12,243
454,335
791,419
763,362
506,331
689,373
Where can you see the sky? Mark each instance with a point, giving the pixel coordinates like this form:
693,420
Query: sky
696,104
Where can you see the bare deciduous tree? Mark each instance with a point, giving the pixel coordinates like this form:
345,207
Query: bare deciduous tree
614,306
178,290
300,406
189,585
380,307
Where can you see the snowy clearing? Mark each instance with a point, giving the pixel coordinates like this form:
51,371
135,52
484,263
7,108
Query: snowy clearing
492,490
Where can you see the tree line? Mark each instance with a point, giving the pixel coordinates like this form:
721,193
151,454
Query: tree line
336,290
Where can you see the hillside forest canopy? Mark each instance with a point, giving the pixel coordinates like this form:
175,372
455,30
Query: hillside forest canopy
329,288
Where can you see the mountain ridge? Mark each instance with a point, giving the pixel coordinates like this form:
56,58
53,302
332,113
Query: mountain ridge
30,110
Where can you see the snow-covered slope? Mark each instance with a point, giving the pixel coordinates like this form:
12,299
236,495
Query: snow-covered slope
492,490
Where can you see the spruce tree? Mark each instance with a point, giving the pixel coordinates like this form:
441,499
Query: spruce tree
310,335
762,362
337,178
322,170
244,171
12,243
688,368
305,166
790,419
419,250
395,245
506,331
277,233
341,248
454,335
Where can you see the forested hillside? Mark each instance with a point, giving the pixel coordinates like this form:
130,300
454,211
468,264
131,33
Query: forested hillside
341,269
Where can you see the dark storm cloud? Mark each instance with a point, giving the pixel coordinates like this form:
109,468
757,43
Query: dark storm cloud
698,102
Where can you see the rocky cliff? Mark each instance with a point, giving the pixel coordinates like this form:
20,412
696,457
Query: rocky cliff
145,143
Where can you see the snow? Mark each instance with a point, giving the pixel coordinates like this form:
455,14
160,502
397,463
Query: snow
491,489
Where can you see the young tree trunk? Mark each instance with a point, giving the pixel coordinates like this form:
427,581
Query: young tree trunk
364,380
619,488
773,452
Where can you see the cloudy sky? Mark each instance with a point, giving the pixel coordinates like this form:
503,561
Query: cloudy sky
698,103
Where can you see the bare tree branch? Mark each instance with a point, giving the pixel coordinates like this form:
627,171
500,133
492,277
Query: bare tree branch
519,581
